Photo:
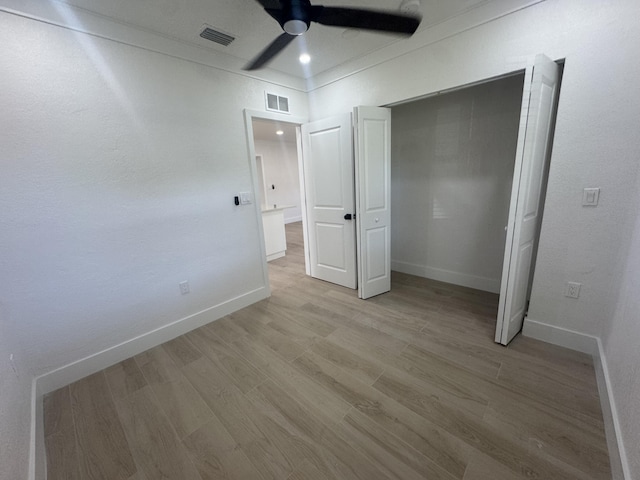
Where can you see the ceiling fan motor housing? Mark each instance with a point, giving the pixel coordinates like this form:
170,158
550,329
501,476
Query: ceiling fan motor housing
295,16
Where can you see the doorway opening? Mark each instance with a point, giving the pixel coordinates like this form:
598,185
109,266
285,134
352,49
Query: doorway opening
451,176
468,182
276,154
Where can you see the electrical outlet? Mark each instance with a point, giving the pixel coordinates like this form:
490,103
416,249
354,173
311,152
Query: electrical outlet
590,197
572,289
184,287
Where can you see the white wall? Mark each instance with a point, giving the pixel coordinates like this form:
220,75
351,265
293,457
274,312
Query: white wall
452,163
15,404
119,167
280,164
620,342
596,141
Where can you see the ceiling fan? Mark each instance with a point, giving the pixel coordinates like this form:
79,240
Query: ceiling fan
295,16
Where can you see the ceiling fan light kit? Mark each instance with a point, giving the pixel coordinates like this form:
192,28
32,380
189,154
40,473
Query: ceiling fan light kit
295,17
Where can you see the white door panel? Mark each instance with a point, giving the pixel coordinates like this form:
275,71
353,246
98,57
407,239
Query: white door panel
536,120
327,151
373,171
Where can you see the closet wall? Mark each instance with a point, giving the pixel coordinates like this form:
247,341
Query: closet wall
451,174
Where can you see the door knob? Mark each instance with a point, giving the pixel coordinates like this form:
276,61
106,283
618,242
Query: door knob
348,216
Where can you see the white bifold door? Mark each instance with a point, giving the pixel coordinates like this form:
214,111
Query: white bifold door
347,199
525,211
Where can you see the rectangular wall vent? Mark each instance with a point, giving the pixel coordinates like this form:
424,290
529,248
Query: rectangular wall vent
276,103
216,36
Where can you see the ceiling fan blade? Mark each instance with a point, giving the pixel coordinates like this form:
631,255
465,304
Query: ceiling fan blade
271,51
365,19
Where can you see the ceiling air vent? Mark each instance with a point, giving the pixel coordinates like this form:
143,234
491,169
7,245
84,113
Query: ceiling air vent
216,36
276,103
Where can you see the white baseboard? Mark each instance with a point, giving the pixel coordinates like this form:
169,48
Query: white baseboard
617,453
94,363
560,336
448,276
276,255
593,346
293,219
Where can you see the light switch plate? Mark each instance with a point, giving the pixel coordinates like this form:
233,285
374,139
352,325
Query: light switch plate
590,197
245,198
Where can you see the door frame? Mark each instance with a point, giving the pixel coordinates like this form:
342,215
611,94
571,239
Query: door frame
249,116
520,67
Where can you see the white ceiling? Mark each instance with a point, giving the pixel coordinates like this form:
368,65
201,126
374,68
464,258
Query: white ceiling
253,28
266,130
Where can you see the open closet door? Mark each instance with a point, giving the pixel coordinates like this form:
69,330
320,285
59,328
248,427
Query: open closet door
373,221
525,211
327,159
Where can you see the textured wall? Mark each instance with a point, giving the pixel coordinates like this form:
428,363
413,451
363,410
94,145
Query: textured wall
119,168
15,404
621,344
595,135
596,145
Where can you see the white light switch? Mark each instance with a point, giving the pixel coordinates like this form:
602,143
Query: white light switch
245,198
590,197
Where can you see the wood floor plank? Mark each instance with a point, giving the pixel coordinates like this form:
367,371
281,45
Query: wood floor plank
60,443
357,323
303,336
348,463
552,434
226,329
293,314
361,368
475,433
124,378
470,355
303,420
183,406
483,467
234,412
181,351
314,383
279,343
138,476
244,375
154,444
575,364
217,456
552,390
437,445
102,446
386,451
577,443
57,411
304,389
307,471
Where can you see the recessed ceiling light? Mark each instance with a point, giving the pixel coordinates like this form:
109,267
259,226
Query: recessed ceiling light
279,132
305,58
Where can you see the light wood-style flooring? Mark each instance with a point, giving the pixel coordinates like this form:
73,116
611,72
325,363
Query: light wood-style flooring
314,383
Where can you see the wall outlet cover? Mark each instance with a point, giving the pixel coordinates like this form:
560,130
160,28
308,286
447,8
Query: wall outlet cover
572,290
590,197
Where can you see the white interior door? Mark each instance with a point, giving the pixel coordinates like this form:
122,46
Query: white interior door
525,211
327,153
373,220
